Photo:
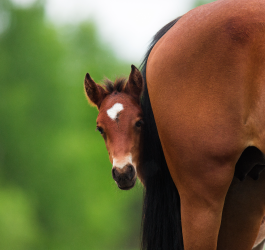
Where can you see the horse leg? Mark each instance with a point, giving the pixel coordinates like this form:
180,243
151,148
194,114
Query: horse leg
202,188
242,215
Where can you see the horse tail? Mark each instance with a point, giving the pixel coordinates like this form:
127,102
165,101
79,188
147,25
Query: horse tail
161,222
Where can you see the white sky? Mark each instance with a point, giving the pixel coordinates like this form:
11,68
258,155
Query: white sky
127,26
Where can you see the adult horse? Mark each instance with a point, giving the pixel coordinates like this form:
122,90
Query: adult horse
205,123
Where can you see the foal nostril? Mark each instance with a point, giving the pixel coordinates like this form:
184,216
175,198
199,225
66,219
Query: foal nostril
115,173
130,171
130,168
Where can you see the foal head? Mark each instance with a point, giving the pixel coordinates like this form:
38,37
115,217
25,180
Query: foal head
119,122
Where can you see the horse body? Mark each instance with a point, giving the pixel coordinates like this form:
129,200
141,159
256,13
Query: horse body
206,82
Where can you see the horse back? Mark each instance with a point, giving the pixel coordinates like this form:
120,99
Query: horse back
206,81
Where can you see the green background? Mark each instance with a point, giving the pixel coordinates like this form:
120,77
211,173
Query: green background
56,189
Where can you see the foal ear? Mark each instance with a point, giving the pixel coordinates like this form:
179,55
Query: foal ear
135,84
94,92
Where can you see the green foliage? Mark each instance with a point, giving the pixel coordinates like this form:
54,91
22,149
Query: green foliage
201,2
56,189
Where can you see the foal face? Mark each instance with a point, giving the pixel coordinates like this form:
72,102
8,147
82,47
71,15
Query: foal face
119,121
120,124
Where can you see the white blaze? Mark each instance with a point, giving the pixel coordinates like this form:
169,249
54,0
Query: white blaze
121,163
115,110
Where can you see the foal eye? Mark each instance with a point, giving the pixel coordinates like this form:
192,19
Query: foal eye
100,130
139,123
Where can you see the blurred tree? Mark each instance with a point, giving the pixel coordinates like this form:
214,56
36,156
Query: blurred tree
56,190
201,2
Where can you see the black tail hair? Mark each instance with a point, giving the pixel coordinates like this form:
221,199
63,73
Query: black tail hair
161,223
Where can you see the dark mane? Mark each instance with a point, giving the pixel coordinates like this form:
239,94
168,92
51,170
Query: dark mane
161,208
118,85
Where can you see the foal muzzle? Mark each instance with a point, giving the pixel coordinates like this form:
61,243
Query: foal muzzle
124,177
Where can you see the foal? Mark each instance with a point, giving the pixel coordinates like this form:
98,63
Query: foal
120,122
